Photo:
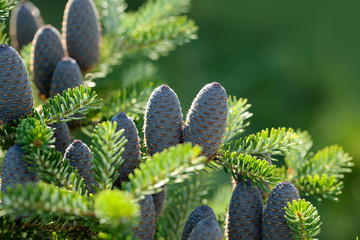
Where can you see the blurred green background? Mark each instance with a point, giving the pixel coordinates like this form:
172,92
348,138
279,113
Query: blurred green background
297,62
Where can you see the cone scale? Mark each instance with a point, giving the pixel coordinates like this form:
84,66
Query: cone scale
146,228
16,98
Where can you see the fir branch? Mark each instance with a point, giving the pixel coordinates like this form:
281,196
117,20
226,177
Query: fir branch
182,198
259,171
107,147
63,108
303,219
7,136
3,35
45,199
330,160
274,142
5,7
238,114
155,172
320,186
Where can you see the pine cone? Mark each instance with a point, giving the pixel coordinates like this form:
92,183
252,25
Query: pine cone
67,74
146,228
159,201
47,51
131,154
207,229
274,224
244,215
14,169
163,120
80,158
196,216
81,32
207,119
25,20
16,98
62,136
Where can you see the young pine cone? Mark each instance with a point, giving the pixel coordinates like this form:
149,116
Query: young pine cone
244,214
206,229
62,136
162,120
16,98
146,228
25,20
47,51
207,118
81,32
67,74
195,217
14,169
131,154
274,224
79,156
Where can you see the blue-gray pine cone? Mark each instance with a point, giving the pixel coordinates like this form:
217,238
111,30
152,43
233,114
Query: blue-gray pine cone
79,156
159,201
16,98
14,169
146,228
67,74
131,154
195,217
244,214
25,20
62,136
81,32
162,120
274,224
207,119
207,229
47,51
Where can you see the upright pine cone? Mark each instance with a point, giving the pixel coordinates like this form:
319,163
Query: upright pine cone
67,74
25,20
47,51
206,229
195,217
62,136
79,156
14,169
162,120
146,228
245,211
16,98
162,128
131,154
207,118
274,224
81,32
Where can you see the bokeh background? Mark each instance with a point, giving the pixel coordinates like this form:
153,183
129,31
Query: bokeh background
297,62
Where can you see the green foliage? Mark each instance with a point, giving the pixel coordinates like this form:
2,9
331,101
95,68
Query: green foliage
303,219
259,171
7,136
63,108
238,114
182,198
3,35
107,147
275,141
5,8
174,162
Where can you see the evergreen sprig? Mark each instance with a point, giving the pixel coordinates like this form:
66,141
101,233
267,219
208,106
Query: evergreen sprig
7,136
258,170
5,7
63,108
303,219
238,114
107,147
275,141
321,186
155,172
3,35
182,198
